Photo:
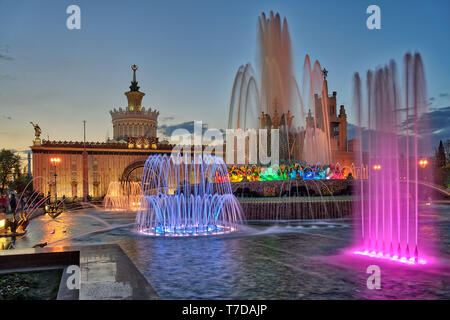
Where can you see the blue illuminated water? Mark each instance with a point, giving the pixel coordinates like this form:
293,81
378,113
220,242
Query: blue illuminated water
187,196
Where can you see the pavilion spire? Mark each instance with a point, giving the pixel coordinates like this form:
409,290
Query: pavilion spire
134,84
134,96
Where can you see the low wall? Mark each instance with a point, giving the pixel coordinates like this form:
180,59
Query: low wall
35,258
296,208
290,188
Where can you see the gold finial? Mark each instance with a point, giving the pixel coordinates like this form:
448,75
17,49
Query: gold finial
134,68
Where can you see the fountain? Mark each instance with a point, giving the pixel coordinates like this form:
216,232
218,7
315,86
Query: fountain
181,197
123,196
278,98
388,209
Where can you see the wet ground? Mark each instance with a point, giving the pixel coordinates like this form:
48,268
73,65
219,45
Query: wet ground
264,260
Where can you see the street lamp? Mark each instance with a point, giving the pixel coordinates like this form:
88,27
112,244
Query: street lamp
55,162
377,167
423,163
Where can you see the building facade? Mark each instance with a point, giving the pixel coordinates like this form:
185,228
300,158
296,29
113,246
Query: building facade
337,122
88,168
292,139
342,149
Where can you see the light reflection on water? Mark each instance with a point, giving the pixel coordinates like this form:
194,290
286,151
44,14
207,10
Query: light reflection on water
267,260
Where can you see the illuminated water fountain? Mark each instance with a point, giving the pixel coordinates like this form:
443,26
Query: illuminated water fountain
180,197
123,196
389,199
273,99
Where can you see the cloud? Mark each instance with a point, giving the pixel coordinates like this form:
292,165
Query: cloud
6,57
165,119
442,95
166,133
433,126
6,77
435,120
167,130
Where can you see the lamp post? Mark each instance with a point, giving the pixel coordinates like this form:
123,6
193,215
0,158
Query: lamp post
55,162
423,163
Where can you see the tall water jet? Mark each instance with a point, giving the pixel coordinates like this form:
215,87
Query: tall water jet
182,198
275,63
388,208
316,146
123,196
274,95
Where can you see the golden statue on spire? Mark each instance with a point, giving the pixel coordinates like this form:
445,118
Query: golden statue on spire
37,130
37,134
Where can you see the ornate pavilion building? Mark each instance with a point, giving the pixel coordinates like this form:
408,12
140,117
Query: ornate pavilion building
87,168
342,149
135,121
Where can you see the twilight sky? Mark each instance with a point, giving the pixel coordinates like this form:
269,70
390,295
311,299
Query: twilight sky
188,53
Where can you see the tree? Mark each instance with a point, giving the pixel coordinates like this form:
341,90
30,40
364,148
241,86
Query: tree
447,150
440,156
9,164
20,182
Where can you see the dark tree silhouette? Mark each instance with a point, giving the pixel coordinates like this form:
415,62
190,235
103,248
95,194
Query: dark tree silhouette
441,160
9,164
447,150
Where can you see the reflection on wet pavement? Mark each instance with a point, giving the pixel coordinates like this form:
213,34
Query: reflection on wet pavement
265,260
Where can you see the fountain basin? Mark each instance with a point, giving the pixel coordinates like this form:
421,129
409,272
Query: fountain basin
180,197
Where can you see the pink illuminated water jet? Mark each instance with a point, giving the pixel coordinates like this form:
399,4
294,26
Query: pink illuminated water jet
388,206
